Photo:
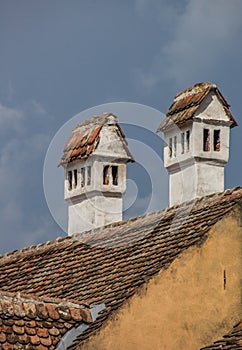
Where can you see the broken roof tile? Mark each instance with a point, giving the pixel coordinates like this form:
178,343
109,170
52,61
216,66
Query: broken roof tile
187,102
85,138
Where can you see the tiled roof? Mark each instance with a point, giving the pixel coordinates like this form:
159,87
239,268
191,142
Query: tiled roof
28,322
116,260
85,138
187,102
232,340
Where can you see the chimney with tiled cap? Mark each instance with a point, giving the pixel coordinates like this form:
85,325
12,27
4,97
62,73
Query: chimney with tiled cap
197,131
94,161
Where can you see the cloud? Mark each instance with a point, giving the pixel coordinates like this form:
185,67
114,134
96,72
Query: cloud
15,118
202,37
10,117
38,108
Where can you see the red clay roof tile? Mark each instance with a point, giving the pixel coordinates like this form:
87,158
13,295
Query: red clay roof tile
37,324
187,102
108,267
85,138
94,135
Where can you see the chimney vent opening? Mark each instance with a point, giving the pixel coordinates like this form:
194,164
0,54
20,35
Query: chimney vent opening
83,177
187,140
115,175
170,147
206,140
69,178
216,140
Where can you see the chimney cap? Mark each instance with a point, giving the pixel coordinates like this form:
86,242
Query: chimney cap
85,138
187,102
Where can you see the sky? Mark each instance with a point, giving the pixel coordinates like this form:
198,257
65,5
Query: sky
60,58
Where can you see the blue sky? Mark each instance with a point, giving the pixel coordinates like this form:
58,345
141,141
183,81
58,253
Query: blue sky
59,58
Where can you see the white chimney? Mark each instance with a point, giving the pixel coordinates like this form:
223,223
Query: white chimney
95,160
197,130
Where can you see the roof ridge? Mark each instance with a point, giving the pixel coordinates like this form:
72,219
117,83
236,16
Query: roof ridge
96,120
169,210
194,89
229,191
33,298
35,246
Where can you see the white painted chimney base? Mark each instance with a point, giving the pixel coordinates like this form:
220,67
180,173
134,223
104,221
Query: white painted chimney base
94,212
195,181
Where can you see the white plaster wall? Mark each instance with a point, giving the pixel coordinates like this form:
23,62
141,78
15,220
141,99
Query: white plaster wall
111,145
182,185
210,179
93,212
211,108
194,181
108,210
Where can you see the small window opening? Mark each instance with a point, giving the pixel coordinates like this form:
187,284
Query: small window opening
182,142
170,147
187,140
175,145
106,175
83,177
115,175
206,140
69,177
88,175
75,178
216,140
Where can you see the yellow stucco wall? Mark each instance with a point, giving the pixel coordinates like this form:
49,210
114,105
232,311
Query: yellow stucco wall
186,306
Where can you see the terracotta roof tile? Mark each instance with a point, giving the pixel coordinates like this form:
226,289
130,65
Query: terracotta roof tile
232,340
107,265
85,138
27,320
187,102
